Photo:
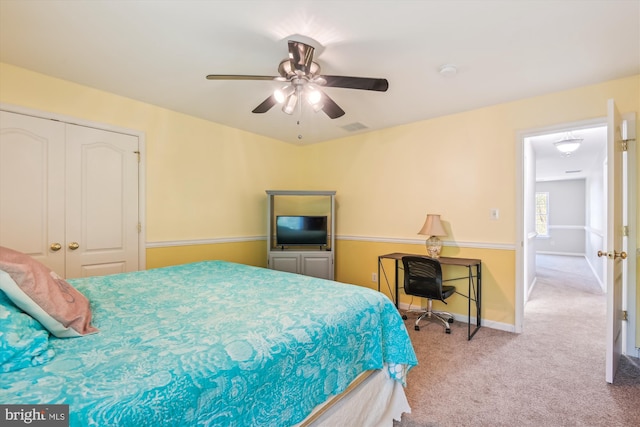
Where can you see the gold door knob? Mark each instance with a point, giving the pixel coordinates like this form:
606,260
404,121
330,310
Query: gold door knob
73,246
55,247
613,255
622,255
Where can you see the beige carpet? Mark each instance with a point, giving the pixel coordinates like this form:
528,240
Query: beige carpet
550,375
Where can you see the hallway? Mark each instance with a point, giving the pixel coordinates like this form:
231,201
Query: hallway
567,271
568,295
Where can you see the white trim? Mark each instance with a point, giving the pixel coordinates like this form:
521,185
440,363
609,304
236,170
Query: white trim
632,212
557,128
533,285
522,241
142,183
568,227
463,319
594,231
481,245
578,254
595,274
456,244
142,201
68,119
168,243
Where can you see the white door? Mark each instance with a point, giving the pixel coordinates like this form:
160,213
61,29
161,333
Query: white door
615,251
69,195
101,203
32,187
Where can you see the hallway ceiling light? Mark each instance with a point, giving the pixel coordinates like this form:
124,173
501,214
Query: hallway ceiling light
568,144
448,70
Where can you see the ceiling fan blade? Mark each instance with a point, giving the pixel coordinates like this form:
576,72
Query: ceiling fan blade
330,107
364,83
239,77
300,56
265,105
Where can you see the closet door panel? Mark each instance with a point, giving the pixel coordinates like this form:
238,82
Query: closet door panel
32,187
102,202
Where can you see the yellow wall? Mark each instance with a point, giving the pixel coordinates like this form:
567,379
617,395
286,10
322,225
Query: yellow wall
203,180
207,181
252,253
460,166
356,260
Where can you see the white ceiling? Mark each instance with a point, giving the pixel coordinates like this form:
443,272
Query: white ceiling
586,161
159,52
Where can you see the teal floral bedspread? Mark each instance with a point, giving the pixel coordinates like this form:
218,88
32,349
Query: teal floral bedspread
214,344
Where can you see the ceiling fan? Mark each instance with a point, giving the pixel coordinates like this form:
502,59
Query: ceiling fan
302,81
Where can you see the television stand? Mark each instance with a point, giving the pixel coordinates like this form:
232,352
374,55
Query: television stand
312,260
309,263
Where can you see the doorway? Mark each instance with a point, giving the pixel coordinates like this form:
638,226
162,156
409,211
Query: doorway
531,167
563,209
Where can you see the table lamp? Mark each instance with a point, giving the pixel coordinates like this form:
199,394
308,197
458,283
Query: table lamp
433,228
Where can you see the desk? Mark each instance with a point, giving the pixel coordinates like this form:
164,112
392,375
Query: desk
473,293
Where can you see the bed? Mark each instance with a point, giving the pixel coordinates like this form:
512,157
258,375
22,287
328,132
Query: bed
216,343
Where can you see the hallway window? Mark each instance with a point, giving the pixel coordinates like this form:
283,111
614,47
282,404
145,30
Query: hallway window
542,214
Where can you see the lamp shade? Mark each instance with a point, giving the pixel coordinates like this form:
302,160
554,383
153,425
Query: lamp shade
432,226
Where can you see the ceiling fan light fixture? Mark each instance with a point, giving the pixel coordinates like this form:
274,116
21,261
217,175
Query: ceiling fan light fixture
290,104
313,95
318,106
283,93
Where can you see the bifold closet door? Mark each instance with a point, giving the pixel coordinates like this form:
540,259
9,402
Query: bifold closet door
69,195
32,187
101,202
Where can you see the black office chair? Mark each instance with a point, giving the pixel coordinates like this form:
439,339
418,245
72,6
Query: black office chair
423,278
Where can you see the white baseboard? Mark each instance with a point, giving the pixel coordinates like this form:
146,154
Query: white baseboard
602,285
463,319
533,284
581,254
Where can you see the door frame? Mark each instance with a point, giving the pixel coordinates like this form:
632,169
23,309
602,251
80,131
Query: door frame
630,327
523,176
142,255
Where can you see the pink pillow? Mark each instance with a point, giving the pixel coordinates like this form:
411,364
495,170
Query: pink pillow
48,298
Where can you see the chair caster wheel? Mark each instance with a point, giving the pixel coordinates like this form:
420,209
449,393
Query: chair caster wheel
417,328
448,331
404,317
450,320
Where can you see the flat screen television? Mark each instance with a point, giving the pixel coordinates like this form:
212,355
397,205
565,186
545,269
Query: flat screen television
295,230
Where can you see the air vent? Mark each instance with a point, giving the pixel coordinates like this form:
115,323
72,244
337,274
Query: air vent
352,127
574,171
